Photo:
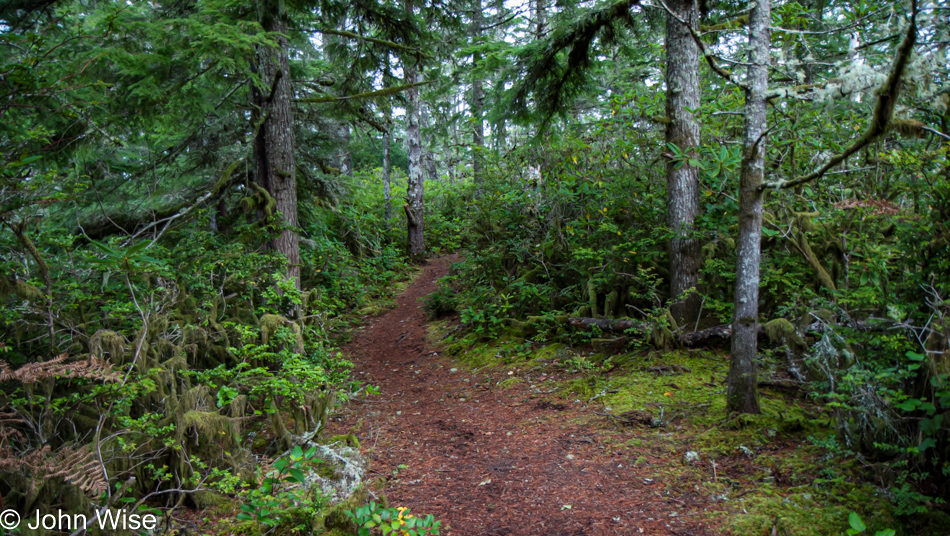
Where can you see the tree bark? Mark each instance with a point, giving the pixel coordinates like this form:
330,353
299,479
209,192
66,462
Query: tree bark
540,19
427,153
743,391
387,149
274,145
387,173
478,127
344,156
414,207
683,95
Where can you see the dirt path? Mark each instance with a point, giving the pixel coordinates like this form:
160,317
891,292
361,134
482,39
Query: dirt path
488,461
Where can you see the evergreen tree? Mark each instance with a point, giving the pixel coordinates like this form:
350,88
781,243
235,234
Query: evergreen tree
274,146
682,134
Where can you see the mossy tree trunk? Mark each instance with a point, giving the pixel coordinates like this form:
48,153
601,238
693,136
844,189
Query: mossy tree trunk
683,96
274,145
743,389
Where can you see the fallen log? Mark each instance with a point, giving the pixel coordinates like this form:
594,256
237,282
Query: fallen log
604,324
691,339
695,338
722,331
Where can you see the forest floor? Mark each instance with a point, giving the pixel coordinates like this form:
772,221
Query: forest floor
511,460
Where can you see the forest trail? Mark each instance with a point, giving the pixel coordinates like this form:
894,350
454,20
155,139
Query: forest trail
492,461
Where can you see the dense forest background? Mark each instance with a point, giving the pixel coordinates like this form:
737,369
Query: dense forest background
200,198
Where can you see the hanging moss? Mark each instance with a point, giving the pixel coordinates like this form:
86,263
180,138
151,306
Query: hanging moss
812,259
210,426
269,324
106,344
779,330
20,289
260,200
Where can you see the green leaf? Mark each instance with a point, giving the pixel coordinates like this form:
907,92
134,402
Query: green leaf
908,405
855,521
296,453
136,247
297,475
244,517
147,258
281,464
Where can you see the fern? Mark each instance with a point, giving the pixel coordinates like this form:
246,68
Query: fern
94,369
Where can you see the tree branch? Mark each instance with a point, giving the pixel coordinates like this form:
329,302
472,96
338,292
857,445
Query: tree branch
366,95
385,43
883,109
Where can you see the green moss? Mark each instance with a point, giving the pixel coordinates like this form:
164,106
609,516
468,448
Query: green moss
373,309
510,382
215,503
334,518
348,440
808,511
551,352
779,330
584,387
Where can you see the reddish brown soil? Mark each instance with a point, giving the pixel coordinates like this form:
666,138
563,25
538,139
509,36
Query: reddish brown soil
488,461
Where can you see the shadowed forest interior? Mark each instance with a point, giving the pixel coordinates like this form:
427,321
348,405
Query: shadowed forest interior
530,267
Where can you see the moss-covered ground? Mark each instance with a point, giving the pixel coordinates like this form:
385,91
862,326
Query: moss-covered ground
780,472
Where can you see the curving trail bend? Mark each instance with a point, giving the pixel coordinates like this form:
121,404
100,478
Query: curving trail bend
488,461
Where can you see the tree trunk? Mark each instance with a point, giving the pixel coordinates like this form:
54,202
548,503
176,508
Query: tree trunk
683,95
274,146
478,127
387,172
540,19
743,391
344,156
414,207
454,155
427,154
387,150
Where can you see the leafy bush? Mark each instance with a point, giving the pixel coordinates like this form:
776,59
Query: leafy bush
442,302
372,518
